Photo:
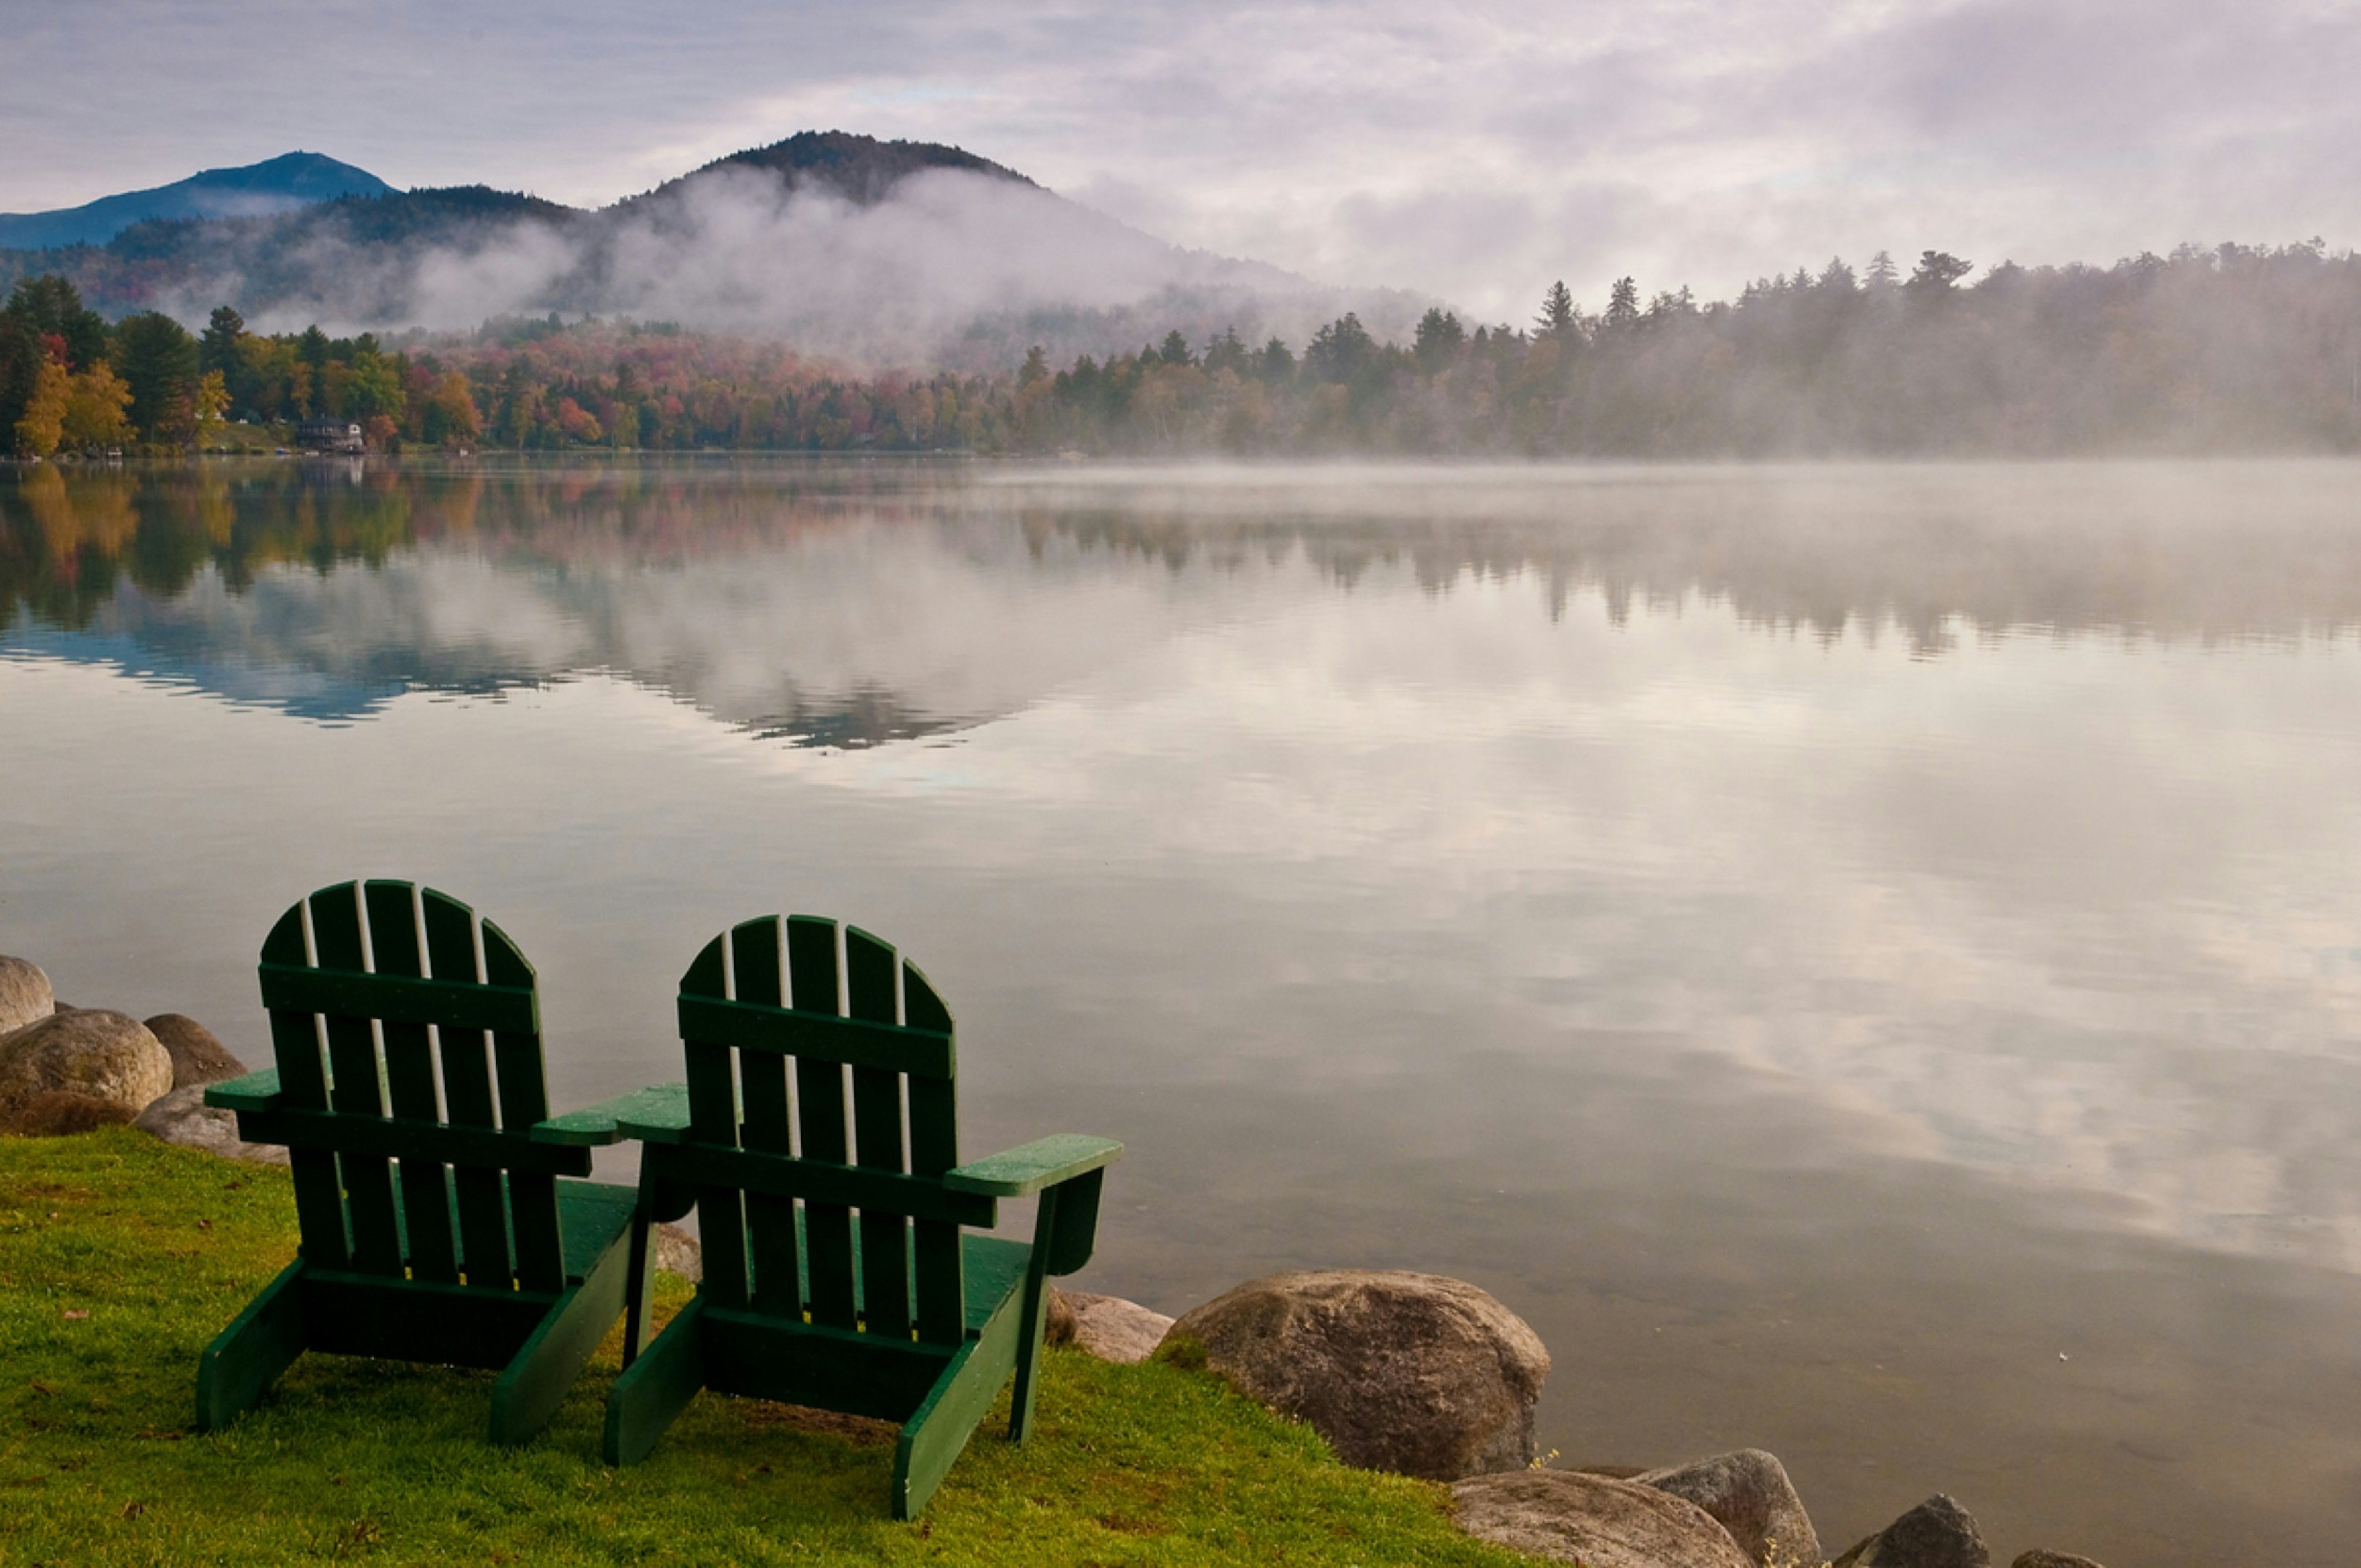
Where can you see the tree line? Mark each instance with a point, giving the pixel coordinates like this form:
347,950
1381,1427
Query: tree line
2232,348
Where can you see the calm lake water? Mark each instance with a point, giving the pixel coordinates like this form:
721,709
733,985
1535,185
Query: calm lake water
1866,960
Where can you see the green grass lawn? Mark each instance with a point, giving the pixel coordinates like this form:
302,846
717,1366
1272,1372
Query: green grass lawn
120,1257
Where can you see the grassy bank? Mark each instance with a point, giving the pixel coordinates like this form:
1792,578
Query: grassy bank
120,1257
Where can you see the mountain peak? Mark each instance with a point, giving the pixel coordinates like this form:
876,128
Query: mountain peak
863,169
275,185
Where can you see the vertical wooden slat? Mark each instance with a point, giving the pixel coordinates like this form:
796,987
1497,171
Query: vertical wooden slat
763,1086
934,1149
713,1118
819,1107
877,1138
409,1083
354,1090
524,1100
295,1047
467,1098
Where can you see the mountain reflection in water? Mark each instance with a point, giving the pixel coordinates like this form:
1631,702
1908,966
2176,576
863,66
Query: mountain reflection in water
1820,942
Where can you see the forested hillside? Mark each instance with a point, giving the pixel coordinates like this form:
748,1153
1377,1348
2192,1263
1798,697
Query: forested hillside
2228,349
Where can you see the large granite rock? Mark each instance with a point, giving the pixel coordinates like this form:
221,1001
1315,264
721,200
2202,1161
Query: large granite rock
1593,1521
183,1117
106,1056
1937,1533
1412,1373
1749,1493
2038,1558
1105,1326
198,1058
24,994
679,1253
60,1114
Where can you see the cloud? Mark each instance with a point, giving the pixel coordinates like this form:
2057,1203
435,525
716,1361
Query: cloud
1473,153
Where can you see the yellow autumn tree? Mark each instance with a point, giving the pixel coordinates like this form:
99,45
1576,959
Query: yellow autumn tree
39,432
213,402
94,408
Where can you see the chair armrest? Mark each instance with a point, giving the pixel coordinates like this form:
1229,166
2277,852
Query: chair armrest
658,1114
1029,1168
255,1091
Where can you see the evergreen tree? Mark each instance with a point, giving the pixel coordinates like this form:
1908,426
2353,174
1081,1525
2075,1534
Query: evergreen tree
157,361
1228,353
1556,318
1439,339
1622,307
218,349
1175,349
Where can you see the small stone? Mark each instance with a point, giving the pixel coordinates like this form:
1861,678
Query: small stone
24,994
104,1055
183,1117
1592,1520
1412,1373
61,1113
197,1058
1937,1533
2038,1558
679,1253
1749,1493
1105,1326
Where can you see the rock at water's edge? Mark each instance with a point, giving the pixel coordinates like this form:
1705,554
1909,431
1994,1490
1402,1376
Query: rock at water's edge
183,1117
1749,1493
60,1113
2038,1558
1592,1520
106,1056
24,994
679,1253
1937,1533
197,1058
1411,1372
1105,1326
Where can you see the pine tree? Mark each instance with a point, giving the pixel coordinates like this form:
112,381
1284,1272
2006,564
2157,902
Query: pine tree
1557,320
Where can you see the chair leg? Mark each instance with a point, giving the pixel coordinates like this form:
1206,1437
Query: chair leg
639,1289
246,1358
527,1395
1035,1294
657,1387
933,1436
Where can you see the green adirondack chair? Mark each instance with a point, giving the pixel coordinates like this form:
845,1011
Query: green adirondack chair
835,1272
436,1232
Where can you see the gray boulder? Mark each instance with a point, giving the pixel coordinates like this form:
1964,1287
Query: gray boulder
679,1253
1750,1494
183,1117
1937,1533
106,1056
2038,1558
1105,1326
60,1113
24,994
1411,1372
1592,1520
198,1058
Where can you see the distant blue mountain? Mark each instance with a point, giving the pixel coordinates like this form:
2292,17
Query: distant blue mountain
291,179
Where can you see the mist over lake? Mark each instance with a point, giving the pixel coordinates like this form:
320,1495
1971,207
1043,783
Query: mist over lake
1866,960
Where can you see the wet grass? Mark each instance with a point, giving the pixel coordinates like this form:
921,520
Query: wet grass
121,1257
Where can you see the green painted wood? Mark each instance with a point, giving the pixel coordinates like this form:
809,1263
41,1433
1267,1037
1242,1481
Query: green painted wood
940,1278
357,994
820,1105
860,1374
1033,1313
479,1194
639,1284
801,1032
657,1387
658,1113
524,1101
255,1091
937,1431
389,1136
884,1234
1067,1247
245,1358
1029,1168
355,1089
839,1188
408,1320
529,1392
757,978
713,1122
409,1076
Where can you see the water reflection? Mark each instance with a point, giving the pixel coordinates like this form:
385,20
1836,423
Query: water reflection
1821,942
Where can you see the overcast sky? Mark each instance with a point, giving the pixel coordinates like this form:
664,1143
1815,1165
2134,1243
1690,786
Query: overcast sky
1471,150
